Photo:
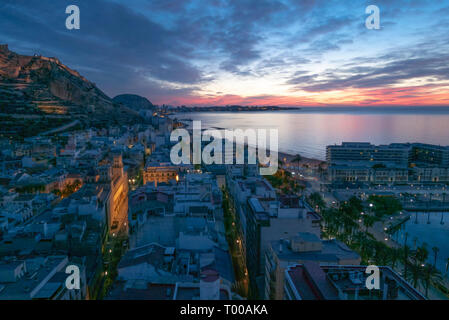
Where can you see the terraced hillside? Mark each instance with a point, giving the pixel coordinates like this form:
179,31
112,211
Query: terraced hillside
36,89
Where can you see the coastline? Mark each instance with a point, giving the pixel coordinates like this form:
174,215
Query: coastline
286,157
233,109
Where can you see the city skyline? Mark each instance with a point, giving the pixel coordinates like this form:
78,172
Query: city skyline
233,151
286,53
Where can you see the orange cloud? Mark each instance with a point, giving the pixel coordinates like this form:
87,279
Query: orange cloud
435,95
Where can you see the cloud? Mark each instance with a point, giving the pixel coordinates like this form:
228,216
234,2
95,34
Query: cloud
385,71
123,45
174,51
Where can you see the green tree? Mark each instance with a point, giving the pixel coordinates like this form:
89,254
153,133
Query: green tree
435,255
384,205
432,276
368,221
317,201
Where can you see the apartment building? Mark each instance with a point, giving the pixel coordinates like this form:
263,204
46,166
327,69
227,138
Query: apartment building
310,281
300,248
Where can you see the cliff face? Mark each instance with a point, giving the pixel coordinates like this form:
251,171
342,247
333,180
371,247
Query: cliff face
36,84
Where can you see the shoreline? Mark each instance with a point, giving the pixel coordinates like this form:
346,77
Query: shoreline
286,157
235,108
305,160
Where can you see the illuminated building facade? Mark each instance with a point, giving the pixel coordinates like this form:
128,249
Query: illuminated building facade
118,197
160,172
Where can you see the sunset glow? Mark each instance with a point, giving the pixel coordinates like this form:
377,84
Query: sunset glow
252,52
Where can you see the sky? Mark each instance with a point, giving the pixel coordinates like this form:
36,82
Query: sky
248,52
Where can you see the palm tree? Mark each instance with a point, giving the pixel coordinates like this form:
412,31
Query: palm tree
368,221
415,240
432,275
416,275
421,253
405,255
317,200
280,169
297,159
435,254
321,170
280,163
394,256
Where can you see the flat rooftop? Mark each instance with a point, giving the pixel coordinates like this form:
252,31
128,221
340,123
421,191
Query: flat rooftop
333,251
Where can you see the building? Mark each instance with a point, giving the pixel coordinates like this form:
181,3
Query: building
39,278
430,154
310,281
118,198
430,174
396,163
155,272
262,227
160,173
367,173
301,248
363,151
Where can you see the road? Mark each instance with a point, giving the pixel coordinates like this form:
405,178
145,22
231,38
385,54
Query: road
62,128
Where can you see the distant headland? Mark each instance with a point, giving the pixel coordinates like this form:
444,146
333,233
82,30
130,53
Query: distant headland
233,108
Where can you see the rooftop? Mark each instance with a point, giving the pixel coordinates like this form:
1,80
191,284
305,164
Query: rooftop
332,251
314,282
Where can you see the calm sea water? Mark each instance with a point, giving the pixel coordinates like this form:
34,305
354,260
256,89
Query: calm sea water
308,131
427,228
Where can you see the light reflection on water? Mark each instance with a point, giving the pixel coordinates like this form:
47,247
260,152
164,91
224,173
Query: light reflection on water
434,234
310,130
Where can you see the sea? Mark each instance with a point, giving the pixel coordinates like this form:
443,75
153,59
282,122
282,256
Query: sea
309,130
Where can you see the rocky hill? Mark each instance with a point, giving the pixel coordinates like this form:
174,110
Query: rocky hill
134,102
40,87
